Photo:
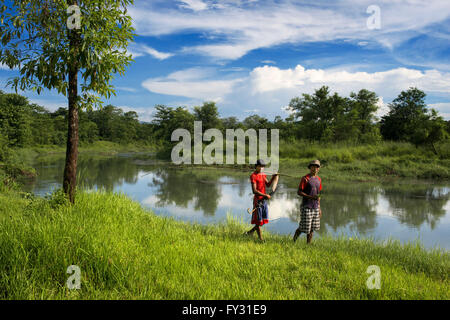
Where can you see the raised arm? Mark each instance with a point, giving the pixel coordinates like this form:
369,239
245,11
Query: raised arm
269,183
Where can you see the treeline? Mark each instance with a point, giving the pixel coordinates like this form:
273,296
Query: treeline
23,124
320,116
325,117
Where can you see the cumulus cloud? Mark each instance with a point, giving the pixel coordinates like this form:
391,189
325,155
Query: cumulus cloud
269,88
270,78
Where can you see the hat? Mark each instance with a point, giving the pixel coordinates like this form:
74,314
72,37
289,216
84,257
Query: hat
314,163
260,162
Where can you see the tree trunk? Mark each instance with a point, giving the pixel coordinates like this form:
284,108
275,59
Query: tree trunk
70,169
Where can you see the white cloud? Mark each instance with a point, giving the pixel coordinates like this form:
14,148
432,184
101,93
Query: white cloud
266,89
270,78
139,50
195,5
244,26
192,83
126,89
145,114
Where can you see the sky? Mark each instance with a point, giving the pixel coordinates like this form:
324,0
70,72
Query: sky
254,56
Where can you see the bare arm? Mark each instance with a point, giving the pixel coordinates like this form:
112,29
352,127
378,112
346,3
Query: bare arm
269,183
301,193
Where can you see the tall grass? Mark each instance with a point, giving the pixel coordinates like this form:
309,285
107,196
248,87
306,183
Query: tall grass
126,252
343,161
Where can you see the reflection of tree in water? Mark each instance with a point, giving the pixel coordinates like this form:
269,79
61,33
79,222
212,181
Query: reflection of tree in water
179,187
415,205
103,172
344,208
106,173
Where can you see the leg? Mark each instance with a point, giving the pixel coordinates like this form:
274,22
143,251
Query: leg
309,237
297,233
315,224
251,230
258,230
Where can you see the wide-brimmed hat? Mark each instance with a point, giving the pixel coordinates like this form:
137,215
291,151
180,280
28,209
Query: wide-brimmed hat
260,162
314,163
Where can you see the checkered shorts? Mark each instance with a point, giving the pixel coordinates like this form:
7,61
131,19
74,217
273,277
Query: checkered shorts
309,220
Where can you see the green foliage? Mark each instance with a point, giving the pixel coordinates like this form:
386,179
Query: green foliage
208,115
410,120
332,118
27,125
35,38
57,199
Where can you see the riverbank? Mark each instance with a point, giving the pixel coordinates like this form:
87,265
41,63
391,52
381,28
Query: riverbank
340,162
18,162
126,252
363,163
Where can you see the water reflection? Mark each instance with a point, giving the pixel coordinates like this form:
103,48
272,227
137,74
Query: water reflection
400,210
179,187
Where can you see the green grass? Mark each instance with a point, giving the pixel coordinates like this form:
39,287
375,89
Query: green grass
126,252
343,161
100,147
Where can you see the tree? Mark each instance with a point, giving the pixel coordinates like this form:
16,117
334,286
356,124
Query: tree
406,113
256,122
318,113
168,119
15,119
230,123
208,115
51,49
364,103
410,120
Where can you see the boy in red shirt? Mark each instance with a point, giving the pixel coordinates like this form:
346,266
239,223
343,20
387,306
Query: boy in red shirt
309,189
259,181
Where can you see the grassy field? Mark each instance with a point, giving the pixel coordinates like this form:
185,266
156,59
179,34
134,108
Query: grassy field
126,252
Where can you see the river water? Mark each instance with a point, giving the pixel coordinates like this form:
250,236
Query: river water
407,211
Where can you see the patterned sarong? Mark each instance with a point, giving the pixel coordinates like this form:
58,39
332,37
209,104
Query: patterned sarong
309,220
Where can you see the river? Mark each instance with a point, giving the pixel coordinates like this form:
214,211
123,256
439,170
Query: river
403,210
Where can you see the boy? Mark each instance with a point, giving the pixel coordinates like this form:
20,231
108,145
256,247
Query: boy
260,214
309,189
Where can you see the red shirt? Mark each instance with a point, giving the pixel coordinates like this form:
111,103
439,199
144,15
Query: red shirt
260,180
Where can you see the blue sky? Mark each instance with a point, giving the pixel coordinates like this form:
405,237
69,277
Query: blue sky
254,56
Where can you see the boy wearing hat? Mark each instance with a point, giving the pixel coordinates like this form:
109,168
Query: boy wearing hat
309,189
260,214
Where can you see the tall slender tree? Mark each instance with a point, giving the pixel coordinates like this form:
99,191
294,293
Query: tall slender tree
53,42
